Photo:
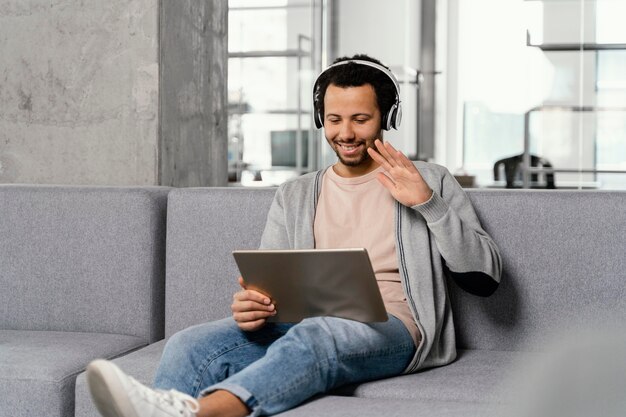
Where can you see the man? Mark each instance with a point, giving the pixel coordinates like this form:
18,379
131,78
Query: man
415,222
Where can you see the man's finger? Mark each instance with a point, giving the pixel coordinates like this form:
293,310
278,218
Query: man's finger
242,283
239,306
251,295
407,162
394,154
378,158
253,305
251,326
386,181
254,296
380,146
250,316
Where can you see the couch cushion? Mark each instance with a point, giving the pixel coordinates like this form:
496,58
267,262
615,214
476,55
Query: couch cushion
337,406
83,259
477,376
467,387
38,368
204,226
563,262
141,365
479,383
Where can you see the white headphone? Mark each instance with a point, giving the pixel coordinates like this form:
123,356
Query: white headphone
391,119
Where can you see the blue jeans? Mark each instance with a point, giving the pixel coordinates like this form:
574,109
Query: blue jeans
282,365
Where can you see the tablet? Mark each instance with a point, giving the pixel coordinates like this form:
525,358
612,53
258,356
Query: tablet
314,282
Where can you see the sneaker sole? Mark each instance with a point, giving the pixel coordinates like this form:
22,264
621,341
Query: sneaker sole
108,396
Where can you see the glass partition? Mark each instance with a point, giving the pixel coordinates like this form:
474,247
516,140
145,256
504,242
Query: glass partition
274,51
529,93
277,48
542,88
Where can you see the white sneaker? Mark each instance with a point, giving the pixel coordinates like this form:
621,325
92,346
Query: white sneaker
116,394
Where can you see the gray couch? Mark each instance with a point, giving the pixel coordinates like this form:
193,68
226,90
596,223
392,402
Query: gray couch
81,276
563,255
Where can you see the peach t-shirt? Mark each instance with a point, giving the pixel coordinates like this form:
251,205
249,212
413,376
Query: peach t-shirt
359,213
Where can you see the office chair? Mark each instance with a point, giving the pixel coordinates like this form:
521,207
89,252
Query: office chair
513,170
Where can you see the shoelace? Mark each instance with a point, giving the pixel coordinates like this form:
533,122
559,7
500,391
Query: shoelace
184,404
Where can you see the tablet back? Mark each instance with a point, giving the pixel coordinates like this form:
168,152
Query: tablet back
311,283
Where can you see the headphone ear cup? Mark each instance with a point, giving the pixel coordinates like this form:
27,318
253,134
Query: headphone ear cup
389,119
397,117
317,117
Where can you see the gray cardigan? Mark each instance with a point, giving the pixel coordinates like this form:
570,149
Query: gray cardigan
440,236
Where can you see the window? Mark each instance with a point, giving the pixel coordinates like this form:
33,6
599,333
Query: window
269,74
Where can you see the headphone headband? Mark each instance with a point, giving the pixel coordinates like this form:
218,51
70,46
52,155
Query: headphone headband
391,119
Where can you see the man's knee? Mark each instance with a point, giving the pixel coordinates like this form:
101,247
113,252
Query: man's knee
178,345
192,339
313,334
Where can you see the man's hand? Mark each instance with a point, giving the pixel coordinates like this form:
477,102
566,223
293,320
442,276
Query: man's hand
251,308
401,177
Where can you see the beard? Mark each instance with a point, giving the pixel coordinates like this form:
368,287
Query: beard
355,160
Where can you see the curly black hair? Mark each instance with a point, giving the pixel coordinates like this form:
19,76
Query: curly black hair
356,75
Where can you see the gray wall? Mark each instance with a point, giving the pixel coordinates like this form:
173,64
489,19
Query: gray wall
79,92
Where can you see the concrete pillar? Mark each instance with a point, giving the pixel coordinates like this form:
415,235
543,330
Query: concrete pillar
194,63
80,85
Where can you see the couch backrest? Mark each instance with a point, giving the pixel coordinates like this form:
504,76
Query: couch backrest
563,254
83,259
204,225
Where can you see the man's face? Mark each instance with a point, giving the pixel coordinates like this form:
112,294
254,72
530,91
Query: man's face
352,122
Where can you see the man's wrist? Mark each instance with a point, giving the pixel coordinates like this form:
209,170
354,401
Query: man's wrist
423,200
433,209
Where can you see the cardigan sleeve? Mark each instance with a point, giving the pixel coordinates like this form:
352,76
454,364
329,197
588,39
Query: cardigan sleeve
275,234
470,255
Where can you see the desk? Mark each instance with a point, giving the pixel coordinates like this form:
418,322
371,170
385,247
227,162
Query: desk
527,170
560,185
